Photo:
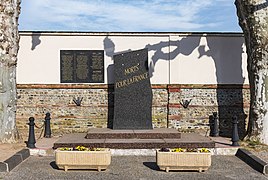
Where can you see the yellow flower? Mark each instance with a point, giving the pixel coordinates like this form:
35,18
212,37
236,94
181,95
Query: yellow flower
65,149
80,148
177,150
204,150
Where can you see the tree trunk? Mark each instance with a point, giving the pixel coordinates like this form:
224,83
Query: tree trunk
253,19
9,45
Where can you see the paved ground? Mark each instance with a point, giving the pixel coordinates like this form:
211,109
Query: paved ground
133,167
127,167
7,150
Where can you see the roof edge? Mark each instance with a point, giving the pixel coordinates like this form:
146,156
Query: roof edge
89,33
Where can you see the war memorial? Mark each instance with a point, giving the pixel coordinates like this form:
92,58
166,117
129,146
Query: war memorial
109,96
133,105
131,83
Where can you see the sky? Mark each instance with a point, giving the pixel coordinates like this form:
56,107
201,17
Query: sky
129,15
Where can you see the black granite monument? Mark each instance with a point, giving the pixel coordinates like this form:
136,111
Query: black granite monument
133,93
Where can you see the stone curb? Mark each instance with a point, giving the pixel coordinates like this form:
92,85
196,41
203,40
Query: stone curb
134,152
14,160
41,152
252,160
224,151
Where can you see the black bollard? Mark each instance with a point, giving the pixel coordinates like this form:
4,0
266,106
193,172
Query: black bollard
215,127
211,125
235,137
31,139
47,126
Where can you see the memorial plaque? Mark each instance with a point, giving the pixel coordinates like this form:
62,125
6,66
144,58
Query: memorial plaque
133,93
82,66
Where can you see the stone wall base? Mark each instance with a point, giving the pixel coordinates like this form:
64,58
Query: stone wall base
96,110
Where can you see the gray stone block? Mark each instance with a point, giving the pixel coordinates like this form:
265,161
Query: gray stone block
25,153
252,160
13,161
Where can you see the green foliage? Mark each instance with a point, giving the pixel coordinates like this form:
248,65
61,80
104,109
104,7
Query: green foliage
254,143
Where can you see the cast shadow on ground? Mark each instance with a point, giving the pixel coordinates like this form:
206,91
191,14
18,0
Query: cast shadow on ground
151,165
54,165
155,167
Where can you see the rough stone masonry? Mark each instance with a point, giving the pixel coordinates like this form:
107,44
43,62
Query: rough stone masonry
66,117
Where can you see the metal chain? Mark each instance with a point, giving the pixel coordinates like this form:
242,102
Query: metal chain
42,127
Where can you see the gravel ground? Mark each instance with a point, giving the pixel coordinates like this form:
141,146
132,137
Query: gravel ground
262,155
133,167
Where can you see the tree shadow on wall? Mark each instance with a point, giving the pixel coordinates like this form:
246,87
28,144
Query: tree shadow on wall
159,54
35,40
189,46
228,67
228,70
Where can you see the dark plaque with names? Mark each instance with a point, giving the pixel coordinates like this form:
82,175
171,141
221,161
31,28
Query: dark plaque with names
82,66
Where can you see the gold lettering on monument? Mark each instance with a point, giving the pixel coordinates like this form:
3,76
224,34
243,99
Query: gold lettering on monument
132,69
131,80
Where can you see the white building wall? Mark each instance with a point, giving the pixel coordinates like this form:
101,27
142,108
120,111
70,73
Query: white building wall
174,58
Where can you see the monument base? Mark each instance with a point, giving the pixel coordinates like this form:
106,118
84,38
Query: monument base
135,139
159,133
130,128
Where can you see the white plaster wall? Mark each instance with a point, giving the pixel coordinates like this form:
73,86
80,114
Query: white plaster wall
40,64
173,58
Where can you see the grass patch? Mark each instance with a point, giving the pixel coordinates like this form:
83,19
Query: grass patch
256,146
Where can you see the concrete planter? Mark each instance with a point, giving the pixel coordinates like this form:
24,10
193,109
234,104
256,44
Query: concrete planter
183,161
83,159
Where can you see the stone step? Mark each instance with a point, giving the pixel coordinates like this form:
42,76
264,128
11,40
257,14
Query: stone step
159,133
187,140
